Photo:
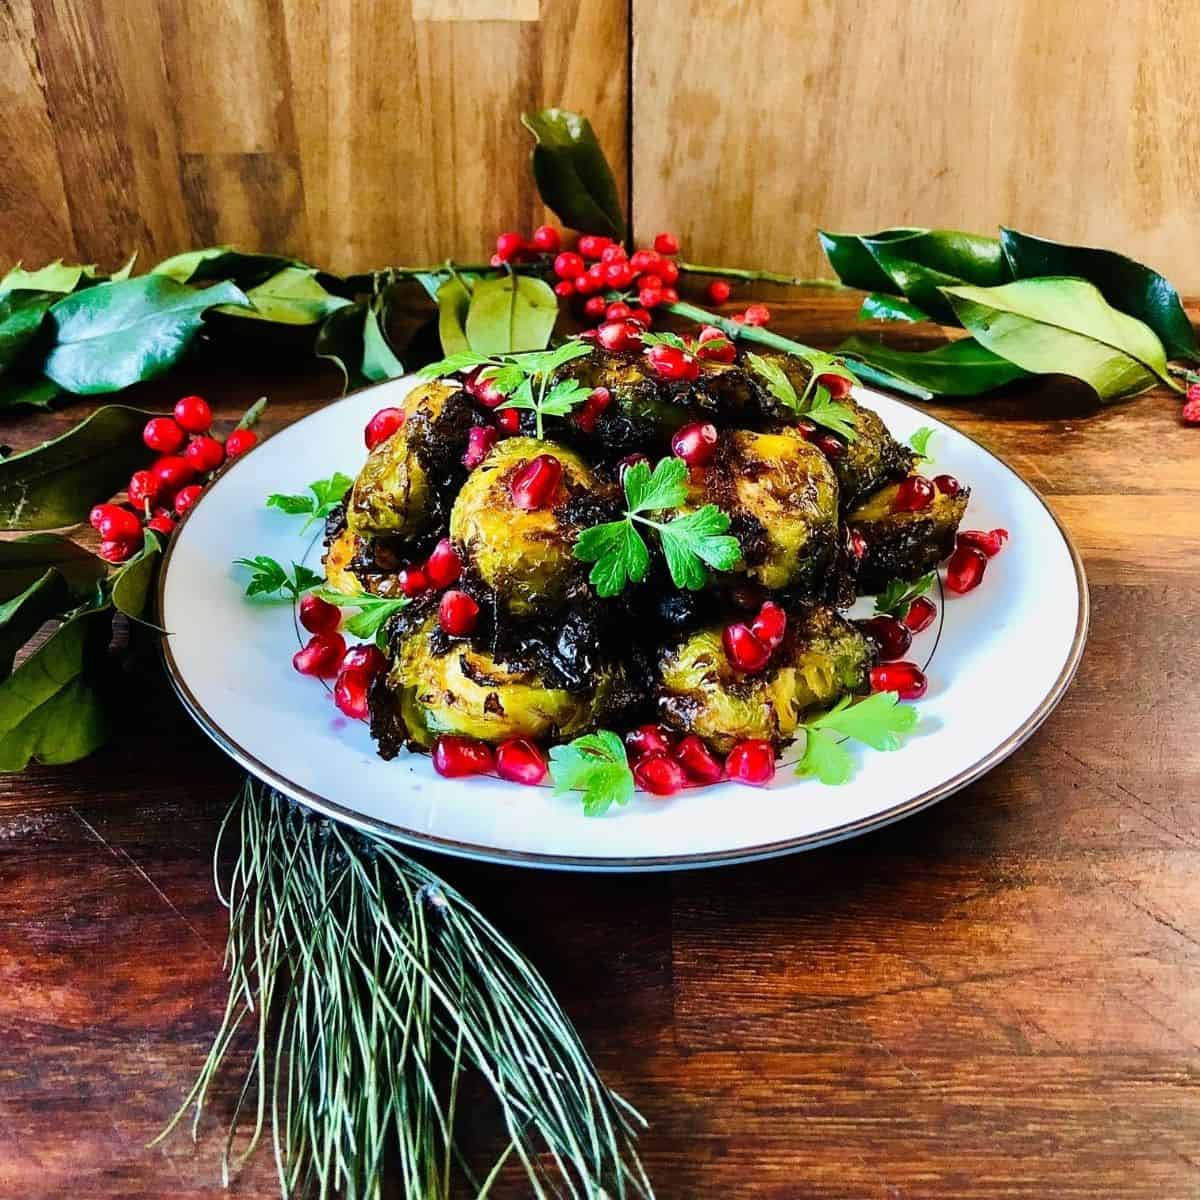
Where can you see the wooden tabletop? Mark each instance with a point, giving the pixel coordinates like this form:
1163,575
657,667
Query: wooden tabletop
997,997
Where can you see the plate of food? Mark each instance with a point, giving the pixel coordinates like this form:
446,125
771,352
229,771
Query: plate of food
627,608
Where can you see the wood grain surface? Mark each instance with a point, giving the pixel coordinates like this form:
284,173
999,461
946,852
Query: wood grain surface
995,998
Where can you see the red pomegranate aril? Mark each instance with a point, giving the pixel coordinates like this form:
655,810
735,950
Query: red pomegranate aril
744,651
695,443
480,440
239,441
163,523
829,445
666,243
595,306
317,615
659,774
547,239
443,566
990,542
906,679
193,414
519,761
350,694
536,484
508,420
205,454
719,291
382,425
509,245
806,429
617,311
648,739
619,335
186,497
321,656
947,485
891,636
716,349
838,386
964,571
669,362
757,314
697,760
117,524
118,552
920,615
630,460
1189,414
592,245
142,489
412,581
751,762
455,756
163,435
458,614
914,494
857,545
770,625
368,659
568,265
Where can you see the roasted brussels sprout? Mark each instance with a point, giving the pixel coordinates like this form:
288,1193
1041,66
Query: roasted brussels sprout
339,556
873,459
903,545
525,556
822,658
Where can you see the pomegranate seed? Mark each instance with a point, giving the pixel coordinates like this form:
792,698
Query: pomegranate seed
906,679
186,497
829,445
659,775
619,335
519,761
696,759
757,314
695,443
458,614
770,625
564,288
1193,392
666,243
547,239
568,265
991,542
480,440
920,614
648,739
598,400
508,420
669,362
858,545
162,522
239,441
891,636
806,429
744,651
639,316
162,434
650,297
536,483
350,694
508,246
964,571
317,615
193,413
716,349
205,454
412,581
719,291
321,655
617,311
838,386
751,762
455,756
382,425
591,245
484,388
118,524
1189,414
443,566
595,306
118,552
643,260
914,494
947,485
143,490
630,460
364,657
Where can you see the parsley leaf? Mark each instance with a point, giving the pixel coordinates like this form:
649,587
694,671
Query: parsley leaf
270,578
665,339
326,494
919,442
667,487
897,597
596,765
879,721
816,404
694,540
374,611
778,384
824,410
452,364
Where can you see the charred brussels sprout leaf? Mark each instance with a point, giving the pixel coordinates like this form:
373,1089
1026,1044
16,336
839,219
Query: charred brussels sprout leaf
596,765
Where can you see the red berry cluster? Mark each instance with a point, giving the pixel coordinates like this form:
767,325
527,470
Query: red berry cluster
164,491
512,247
598,267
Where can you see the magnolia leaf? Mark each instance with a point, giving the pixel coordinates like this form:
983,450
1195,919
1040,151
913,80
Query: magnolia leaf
572,174
378,360
453,298
223,262
131,584
56,277
1064,326
289,297
1123,282
510,314
22,616
57,483
878,307
919,283
853,262
340,341
959,368
23,561
24,388
21,317
116,334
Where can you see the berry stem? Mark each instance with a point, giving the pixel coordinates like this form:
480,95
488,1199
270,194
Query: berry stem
1183,373
759,276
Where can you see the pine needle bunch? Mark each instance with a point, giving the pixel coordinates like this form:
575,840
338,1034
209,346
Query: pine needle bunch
370,988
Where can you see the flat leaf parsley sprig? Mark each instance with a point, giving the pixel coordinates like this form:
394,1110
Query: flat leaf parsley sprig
597,765
690,543
272,580
325,495
896,599
879,721
816,403
373,611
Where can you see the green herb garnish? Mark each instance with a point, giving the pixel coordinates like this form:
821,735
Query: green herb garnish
373,614
596,765
879,721
816,404
269,578
690,543
897,597
325,496
919,442
666,339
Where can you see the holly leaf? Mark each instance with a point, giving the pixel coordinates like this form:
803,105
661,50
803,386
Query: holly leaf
619,555
896,599
696,540
596,765
665,487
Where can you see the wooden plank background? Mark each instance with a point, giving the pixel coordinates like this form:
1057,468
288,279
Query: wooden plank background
357,133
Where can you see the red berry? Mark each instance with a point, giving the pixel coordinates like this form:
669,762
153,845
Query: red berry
719,291
668,272
659,775
96,514
412,581
643,260
618,275
193,413
904,678
648,739
696,759
508,246
829,445
617,311
350,694
613,253
744,651
714,346
666,243
650,297
162,522
585,284
321,655
757,314
695,443
118,524
670,296
186,497
568,264
591,245
239,441
639,316
443,566
964,571
454,756
546,239
382,425
367,659
480,440
596,274
751,762
519,761
991,542
163,435
205,454
118,552
669,362
1193,392
920,614
508,420
458,614
536,483
770,625
914,494
891,636
947,485
1189,414
496,260
564,288
838,386
619,335
317,615
595,306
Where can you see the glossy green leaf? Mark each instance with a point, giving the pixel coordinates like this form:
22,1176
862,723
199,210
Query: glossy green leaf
131,584
1064,326
25,387
21,316
453,299
58,277
572,174
854,264
379,362
223,262
1124,283
23,561
878,307
340,341
511,313
24,614
116,334
959,368
289,297
921,285
57,483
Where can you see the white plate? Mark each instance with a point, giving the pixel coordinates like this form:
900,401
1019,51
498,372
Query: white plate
1006,654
